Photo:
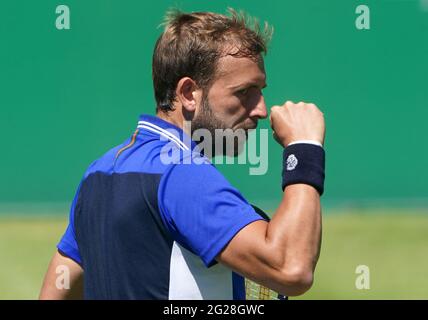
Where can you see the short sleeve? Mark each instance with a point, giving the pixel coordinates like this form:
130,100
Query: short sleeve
201,209
68,244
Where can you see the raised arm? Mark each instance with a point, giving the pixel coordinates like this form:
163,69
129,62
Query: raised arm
63,280
282,254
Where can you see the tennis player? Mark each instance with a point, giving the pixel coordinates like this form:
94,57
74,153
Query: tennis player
144,228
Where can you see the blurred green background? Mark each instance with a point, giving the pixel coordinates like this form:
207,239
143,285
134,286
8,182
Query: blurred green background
67,96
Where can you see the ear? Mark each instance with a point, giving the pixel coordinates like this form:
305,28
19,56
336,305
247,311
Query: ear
186,93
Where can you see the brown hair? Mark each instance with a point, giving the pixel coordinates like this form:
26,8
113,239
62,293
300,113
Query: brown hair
192,44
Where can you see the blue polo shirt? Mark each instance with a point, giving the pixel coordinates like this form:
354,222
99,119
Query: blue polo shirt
150,216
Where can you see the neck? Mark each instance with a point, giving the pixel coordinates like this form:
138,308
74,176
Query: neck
174,119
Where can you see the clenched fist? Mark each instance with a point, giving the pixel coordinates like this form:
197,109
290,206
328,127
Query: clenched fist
297,121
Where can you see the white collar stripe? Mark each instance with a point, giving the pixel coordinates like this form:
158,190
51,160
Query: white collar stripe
177,142
167,133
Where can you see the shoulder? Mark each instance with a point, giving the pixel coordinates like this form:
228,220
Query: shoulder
196,171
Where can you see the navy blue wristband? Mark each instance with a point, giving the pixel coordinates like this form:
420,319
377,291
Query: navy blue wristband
304,163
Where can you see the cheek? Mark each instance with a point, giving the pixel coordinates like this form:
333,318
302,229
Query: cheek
228,108
234,112
235,107
226,105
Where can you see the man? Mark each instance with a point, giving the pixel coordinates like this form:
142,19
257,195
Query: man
145,228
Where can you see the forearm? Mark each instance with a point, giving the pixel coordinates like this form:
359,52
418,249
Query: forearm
295,230
281,254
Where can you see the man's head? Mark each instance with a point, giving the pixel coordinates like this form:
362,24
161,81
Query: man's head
208,68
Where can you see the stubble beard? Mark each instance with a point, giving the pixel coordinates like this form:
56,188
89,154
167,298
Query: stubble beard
206,119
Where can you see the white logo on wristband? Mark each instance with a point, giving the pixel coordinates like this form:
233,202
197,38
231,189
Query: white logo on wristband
291,162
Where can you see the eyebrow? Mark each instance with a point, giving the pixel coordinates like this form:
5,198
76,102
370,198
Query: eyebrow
248,85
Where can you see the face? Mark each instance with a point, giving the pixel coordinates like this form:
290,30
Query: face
234,100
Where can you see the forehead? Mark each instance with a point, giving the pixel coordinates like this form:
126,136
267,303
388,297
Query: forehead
240,70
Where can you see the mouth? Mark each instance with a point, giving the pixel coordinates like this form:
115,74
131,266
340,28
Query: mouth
252,127
249,125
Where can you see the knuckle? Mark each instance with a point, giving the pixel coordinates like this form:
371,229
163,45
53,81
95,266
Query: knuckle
274,109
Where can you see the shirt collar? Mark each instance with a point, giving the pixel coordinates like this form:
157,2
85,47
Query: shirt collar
166,130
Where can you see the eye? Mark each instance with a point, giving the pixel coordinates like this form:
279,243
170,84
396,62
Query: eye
243,92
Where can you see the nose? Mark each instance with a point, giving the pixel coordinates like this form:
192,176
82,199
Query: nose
260,110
